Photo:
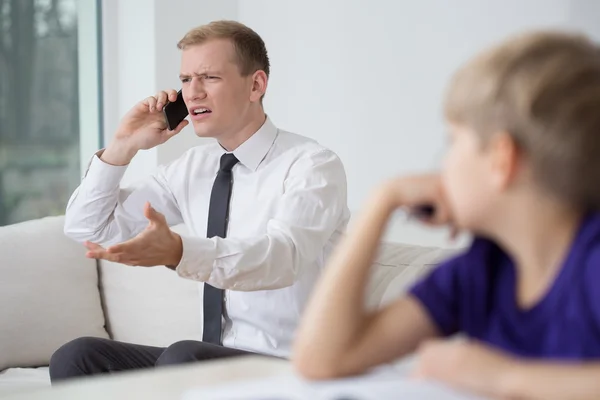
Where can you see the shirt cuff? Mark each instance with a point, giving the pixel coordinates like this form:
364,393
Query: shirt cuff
105,177
198,258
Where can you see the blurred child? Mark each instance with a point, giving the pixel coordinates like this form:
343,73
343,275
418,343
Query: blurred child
522,173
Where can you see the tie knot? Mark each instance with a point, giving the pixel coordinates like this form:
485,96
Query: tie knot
228,160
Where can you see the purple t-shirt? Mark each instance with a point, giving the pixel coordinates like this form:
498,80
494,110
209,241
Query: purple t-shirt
475,293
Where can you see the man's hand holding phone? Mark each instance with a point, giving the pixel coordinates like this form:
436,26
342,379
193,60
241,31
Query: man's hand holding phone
142,128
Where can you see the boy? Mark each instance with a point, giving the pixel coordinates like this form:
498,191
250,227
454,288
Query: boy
523,174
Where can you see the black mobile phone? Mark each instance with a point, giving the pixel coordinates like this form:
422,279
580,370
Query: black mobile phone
175,111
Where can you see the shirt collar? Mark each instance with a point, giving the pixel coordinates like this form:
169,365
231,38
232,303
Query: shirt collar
253,151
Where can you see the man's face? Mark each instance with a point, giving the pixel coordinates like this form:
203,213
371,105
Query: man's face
218,97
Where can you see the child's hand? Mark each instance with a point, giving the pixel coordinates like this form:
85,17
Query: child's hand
417,191
466,365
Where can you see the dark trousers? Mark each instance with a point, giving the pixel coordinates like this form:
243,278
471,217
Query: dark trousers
90,356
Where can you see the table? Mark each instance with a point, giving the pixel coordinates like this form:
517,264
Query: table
162,383
240,378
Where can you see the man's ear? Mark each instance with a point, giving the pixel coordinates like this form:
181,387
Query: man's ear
259,85
505,159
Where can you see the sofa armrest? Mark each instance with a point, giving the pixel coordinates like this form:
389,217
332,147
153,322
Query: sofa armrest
48,292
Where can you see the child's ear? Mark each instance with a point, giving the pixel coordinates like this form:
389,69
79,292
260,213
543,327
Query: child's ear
505,160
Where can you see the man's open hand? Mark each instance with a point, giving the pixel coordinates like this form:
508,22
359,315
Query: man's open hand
155,245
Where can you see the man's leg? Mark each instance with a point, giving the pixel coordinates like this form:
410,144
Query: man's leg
190,351
89,356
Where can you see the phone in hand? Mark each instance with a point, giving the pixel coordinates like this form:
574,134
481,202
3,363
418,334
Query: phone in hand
175,111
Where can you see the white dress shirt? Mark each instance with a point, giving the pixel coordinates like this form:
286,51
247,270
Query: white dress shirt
288,209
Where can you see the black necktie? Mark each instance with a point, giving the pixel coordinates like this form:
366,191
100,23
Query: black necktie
218,217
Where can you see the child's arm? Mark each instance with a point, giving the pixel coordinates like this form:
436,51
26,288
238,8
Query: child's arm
547,381
338,336
479,368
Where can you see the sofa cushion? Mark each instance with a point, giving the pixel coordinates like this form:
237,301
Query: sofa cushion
48,292
150,306
23,379
397,266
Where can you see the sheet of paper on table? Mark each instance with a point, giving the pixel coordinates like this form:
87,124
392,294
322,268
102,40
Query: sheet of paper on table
382,385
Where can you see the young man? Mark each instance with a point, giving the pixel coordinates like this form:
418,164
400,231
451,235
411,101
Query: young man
264,206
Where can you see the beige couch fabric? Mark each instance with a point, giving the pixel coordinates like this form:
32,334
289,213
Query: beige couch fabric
48,292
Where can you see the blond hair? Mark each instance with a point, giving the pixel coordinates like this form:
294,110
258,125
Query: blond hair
542,88
249,47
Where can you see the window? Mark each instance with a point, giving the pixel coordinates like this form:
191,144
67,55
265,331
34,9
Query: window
46,48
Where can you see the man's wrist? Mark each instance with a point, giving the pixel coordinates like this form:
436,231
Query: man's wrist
118,153
177,252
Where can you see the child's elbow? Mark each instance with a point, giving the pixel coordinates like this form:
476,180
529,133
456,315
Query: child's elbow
315,371
310,365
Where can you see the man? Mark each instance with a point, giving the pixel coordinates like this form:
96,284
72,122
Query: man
264,207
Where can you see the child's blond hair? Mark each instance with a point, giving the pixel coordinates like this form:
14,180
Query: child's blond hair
543,89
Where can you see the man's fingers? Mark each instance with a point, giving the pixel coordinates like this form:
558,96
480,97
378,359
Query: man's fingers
127,253
115,253
149,211
172,94
101,254
161,100
151,102
92,246
94,250
121,258
152,215
178,129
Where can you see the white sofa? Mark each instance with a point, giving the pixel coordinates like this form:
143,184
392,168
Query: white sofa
50,294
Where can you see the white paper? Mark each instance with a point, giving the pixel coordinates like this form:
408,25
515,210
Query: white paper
378,386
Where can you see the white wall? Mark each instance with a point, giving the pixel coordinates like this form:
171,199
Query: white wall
129,68
140,57
364,77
